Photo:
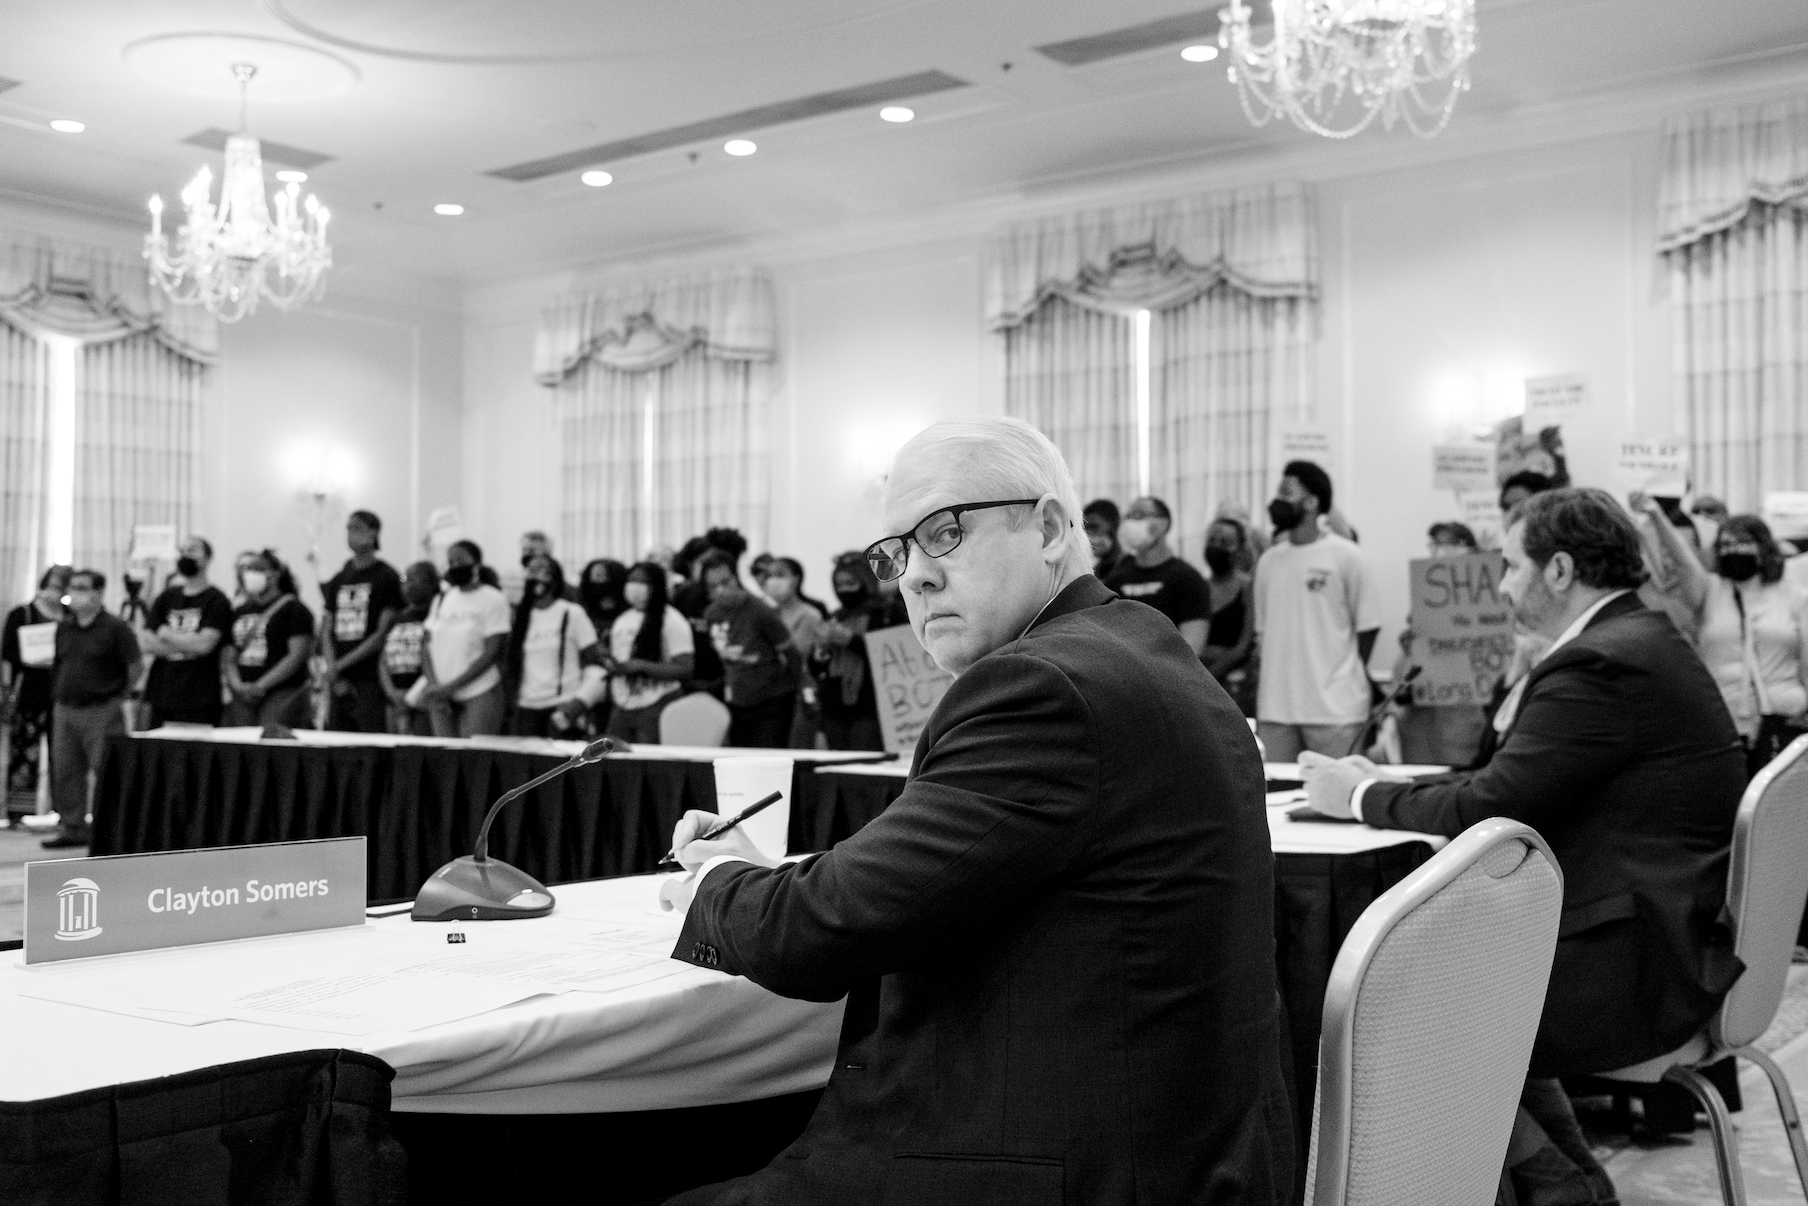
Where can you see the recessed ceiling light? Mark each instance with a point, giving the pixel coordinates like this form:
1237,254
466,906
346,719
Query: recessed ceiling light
67,125
597,178
739,146
896,113
447,210
291,176
1199,54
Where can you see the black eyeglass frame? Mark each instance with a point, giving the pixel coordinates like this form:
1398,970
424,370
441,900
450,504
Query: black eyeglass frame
874,556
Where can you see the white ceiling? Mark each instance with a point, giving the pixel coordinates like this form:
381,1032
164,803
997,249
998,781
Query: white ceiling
449,90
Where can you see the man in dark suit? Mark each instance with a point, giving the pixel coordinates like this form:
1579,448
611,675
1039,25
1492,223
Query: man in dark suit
1619,750
1056,945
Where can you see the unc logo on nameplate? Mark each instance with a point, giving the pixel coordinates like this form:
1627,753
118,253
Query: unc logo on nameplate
78,907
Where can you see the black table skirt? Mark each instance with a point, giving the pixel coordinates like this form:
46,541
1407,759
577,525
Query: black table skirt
419,806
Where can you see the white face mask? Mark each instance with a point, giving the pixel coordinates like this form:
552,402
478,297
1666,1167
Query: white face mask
637,594
255,581
1136,535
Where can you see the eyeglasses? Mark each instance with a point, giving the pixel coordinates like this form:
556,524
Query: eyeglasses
937,534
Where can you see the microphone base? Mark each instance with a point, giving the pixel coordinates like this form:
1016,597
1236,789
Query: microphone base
467,890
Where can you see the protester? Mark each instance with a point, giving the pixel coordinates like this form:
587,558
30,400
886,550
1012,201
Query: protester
1255,540
651,652
266,664
760,661
1152,574
1451,539
467,638
361,601
691,599
1056,945
1101,520
403,649
27,682
844,683
600,592
1316,619
807,620
1450,734
1618,750
97,665
1521,486
553,658
187,626
1230,637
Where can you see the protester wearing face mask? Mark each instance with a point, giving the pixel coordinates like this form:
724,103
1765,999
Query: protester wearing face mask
554,663
403,649
361,601
849,710
1751,637
266,664
806,619
759,660
1230,637
97,664
1100,521
467,639
188,624
27,651
651,654
1316,620
1152,574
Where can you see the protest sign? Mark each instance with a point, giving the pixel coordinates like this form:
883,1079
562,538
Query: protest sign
907,684
1462,629
1553,401
1658,467
1462,467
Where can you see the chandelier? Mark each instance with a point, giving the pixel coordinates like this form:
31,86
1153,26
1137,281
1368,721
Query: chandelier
228,256
1334,66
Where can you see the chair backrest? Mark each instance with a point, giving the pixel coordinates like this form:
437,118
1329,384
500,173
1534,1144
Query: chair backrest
1429,1018
1766,884
697,719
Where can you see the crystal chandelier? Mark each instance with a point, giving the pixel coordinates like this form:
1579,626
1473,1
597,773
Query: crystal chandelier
1334,66
226,257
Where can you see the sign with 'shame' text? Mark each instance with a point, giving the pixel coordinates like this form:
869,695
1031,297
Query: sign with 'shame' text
907,684
1462,629
78,907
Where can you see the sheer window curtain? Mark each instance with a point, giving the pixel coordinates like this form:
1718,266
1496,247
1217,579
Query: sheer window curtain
1069,372
1230,280
24,468
1733,234
1227,371
139,409
691,356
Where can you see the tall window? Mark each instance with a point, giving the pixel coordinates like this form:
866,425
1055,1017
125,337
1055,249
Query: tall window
59,494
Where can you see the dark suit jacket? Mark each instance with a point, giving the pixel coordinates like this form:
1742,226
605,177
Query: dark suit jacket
1624,758
1056,945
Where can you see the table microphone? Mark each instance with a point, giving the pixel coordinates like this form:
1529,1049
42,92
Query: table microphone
1398,693
480,888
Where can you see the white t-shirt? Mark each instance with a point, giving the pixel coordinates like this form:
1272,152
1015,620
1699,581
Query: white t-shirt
1310,602
457,625
674,641
550,670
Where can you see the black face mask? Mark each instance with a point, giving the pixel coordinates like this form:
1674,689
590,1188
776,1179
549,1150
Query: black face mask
188,567
526,558
1220,560
1284,515
1738,566
461,575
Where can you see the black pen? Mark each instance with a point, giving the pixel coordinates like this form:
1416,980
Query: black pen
757,806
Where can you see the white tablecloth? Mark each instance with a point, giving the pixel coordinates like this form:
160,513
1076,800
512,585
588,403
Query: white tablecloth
695,1038
252,735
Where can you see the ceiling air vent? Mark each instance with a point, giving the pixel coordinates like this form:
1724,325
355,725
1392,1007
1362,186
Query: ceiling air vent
764,117
1198,26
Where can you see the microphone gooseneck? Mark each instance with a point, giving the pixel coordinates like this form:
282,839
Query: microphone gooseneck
594,752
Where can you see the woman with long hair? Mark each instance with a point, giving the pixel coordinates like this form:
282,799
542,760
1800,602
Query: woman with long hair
554,664
650,656
467,638
844,691
1754,638
266,664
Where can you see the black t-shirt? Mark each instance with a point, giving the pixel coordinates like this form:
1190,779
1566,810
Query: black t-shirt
355,600
404,647
34,682
188,685
263,639
94,664
1174,588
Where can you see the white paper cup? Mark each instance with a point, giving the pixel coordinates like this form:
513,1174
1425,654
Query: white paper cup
740,782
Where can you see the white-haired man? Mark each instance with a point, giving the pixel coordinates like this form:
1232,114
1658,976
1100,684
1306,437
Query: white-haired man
1056,945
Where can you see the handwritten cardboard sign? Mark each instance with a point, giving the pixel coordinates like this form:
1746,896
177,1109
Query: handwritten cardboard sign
1462,629
1658,467
1462,467
1786,511
1305,444
153,542
1552,401
907,683
79,907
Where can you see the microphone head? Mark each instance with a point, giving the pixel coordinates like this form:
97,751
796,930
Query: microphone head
600,748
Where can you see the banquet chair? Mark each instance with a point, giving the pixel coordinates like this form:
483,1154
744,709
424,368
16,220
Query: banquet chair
697,719
1429,1018
1766,885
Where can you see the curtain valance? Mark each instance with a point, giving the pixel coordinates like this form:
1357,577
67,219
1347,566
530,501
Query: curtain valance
1262,241
648,325
1720,162
96,295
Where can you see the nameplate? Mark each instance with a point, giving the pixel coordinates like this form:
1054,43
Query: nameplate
79,907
